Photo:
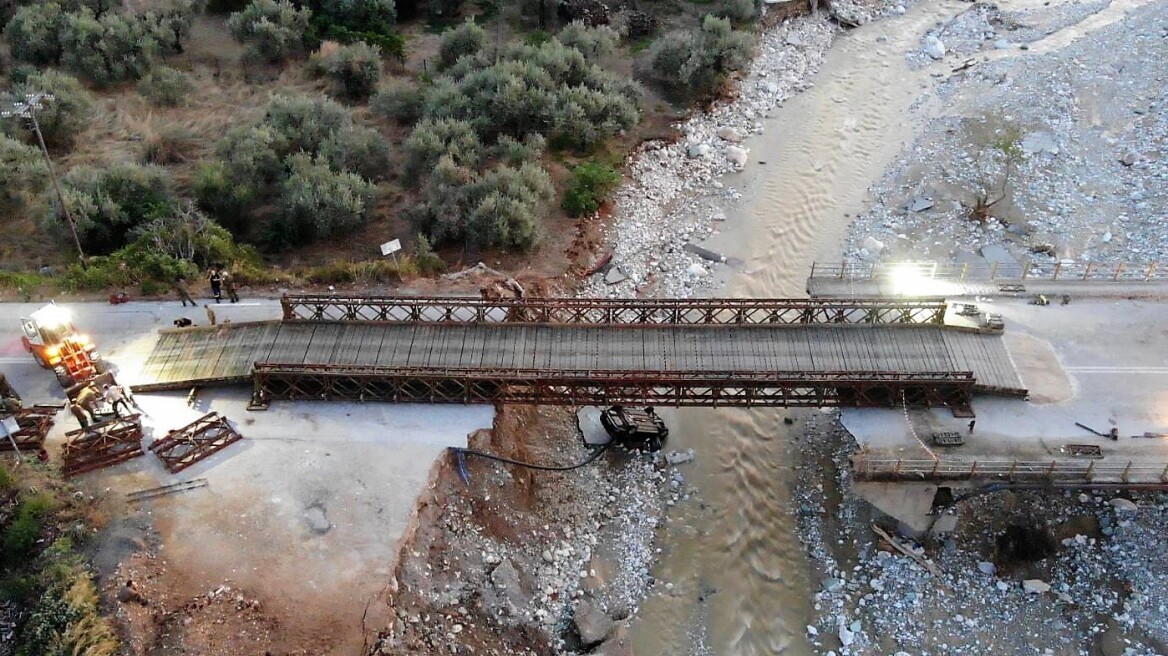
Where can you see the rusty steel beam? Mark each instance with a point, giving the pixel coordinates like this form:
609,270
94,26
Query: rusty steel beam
613,312
199,439
102,445
34,424
580,387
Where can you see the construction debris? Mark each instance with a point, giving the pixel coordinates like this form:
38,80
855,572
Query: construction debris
197,440
102,445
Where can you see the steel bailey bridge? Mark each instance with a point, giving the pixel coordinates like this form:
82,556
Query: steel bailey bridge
705,352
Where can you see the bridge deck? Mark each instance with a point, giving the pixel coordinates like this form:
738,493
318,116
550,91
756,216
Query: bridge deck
201,356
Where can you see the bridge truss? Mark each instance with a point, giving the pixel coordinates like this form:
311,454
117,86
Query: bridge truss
613,312
274,381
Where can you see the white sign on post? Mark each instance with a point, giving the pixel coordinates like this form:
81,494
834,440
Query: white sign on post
391,247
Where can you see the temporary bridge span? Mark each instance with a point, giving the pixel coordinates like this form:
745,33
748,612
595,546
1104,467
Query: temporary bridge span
562,351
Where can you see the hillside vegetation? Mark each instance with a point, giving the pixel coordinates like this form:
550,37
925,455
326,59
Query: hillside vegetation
286,138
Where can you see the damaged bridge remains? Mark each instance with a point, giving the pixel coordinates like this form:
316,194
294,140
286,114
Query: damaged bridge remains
562,351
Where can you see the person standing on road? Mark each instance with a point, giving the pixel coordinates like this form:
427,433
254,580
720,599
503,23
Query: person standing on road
115,396
184,293
229,286
216,281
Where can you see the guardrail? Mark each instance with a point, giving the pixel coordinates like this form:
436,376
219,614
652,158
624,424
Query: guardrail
607,312
1122,272
865,468
609,387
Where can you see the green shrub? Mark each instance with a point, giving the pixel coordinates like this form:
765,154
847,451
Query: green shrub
509,204
191,236
590,185
360,150
304,123
62,118
466,39
593,42
432,140
108,48
318,202
399,101
740,12
549,89
273,30
697,65
20,538
372,16
34,33
513,152
108,203
6,480
166,87
23,173
427,260
353,70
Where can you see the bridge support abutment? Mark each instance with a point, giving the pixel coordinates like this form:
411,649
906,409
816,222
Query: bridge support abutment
913,504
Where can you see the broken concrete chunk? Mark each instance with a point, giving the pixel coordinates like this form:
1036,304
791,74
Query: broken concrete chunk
615,276
920,204
592,624
1036,586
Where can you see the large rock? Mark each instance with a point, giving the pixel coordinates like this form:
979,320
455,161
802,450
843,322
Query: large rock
699,150
933,47
1036,586
737,156
505,593
1039,142
1120,503
592,624
872,244
729,134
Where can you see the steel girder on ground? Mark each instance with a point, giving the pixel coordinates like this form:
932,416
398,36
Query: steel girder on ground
989,469
199,439
550,387
34,424
102,445
606,312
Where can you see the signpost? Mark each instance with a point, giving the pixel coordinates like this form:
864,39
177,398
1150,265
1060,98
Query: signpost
391,248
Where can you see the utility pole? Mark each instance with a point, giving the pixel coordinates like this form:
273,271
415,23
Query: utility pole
27,109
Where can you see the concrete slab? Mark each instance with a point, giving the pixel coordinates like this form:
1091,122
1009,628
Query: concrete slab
1100,362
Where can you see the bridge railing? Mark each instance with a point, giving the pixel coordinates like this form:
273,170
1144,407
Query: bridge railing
609,312
274,381
993,271
866,468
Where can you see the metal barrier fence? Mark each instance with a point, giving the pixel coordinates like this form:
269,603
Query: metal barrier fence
1122,272
596,311
865,468
609,387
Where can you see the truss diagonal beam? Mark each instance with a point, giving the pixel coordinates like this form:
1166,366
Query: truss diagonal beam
579,387
610,312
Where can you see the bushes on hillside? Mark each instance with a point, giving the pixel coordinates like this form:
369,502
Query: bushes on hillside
431,140
549,89
311,139
399,101
593,42
353,70
23,173
108,203
466,39
62,118
104,46
317,202
737,11
166,87
273,30
697,65
590,185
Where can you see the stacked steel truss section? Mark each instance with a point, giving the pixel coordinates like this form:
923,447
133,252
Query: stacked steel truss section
102,445
197,440
601,311
34,424
273,381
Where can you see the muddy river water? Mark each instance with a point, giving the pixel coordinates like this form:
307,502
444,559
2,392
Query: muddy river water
741,582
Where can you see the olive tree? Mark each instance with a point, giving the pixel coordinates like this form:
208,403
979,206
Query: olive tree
23,172
466,39
34,33
697,64
62,118
592,42
319,202
108,48
432,140
273,30
354,70
108,203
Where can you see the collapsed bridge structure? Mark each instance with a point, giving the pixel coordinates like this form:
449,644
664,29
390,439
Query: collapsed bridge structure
707,352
